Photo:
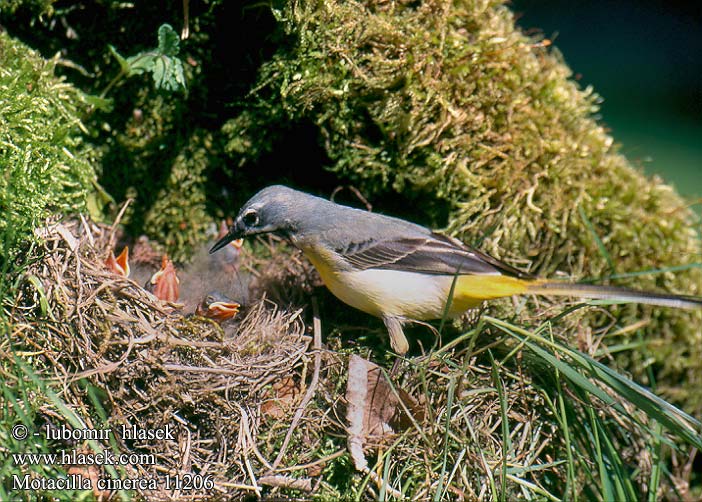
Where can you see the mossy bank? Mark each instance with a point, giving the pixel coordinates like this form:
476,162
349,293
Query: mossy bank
47,166
450,108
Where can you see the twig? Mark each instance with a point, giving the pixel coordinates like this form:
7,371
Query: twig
317,345
323,460
378,480
304,484
249,437
356,192
116,222
244,442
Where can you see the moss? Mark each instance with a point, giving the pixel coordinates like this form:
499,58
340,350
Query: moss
156,147
35,7
450,102
46,165
162,164
178,216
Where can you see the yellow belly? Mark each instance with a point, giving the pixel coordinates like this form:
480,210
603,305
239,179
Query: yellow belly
391,292
410,294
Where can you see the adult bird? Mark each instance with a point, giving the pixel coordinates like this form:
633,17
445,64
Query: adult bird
400,271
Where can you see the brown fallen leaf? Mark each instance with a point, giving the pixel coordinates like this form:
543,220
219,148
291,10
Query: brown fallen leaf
285,393
375,411
90,472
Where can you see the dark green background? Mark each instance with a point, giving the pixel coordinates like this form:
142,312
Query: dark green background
645,59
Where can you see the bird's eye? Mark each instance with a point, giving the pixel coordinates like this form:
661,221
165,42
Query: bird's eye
250,219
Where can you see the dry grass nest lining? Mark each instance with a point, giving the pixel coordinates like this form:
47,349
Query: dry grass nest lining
76,322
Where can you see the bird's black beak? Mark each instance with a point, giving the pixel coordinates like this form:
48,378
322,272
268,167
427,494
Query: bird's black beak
233,234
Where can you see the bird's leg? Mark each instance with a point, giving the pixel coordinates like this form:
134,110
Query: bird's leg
398,340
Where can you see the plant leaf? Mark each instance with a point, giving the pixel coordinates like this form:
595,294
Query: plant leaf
163,63
123,63
168,41
102,104
168,73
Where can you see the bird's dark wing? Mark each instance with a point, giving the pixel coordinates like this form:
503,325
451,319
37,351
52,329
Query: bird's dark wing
433,254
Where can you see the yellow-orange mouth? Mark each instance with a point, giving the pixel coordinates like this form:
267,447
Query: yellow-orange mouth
218,310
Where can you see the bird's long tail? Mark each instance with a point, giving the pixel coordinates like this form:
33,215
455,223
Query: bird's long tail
597,292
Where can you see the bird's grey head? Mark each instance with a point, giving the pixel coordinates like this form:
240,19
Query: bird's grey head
275,209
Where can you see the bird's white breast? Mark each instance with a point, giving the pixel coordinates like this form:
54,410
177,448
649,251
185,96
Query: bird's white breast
392,292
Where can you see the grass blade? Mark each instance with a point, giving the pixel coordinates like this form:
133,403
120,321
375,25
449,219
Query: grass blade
671,418
449,406
506,446
600,245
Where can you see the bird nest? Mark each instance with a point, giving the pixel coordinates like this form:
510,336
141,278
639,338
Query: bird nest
257,405
108,343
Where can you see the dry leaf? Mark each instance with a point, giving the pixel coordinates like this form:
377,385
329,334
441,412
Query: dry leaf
91,472
285,393
375,410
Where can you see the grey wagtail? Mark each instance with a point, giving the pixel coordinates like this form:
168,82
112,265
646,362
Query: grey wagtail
400,271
